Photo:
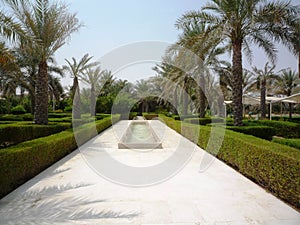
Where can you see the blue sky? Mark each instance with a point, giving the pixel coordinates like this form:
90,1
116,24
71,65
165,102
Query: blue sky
110,24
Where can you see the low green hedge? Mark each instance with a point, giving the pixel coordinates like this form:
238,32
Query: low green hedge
183,117
21,162
59,115
283,128
10,117
295,142
204,121
11,134
263,132
150,116
274,166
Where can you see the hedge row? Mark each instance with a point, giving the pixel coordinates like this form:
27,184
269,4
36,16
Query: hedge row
10,117
11,134
183,117
275,167
283,128
150,116
204,121
295,143
21,162
263,132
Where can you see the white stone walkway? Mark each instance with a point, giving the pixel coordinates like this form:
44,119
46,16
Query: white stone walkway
71,192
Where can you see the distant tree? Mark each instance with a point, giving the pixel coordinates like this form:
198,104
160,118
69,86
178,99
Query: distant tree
263,76
75,69
286,83
92,77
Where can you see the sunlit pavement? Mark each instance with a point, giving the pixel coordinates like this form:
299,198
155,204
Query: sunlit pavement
73,191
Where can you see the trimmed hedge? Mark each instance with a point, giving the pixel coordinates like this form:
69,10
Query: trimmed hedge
21,162
59,115
204,121
11,134
18,110
10,117
283,128
263,132
183,117
150,116
274,166
295,143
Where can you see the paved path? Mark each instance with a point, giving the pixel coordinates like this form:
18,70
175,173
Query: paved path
71,192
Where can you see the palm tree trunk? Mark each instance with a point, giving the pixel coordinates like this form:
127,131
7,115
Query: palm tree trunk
32,98
41,95
175,98
237,71
202,98
263,99
290,110
93,101
184,103
76,99
201,90
299,64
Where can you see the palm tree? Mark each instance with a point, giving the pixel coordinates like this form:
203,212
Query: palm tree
286,82
195,37
75,69
49,25
92,77
240,23
263,76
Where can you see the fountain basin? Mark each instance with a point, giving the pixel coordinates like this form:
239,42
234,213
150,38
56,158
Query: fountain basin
139,135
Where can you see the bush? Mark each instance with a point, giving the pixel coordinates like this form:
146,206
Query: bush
11,134
263,132
68,109
295,143
9,117
273,166
283,128
21,162
59,115
18,110
204,121
150,116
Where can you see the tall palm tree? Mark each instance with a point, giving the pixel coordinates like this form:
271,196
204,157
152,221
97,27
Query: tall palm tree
92,77
262,77
240,23
75,69
286,83
195,38
50,25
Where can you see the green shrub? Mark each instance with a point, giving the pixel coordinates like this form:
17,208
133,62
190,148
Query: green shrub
132,115
183,117
11,134
295,143
273,166
68,109
59,115
263,132
10,117
150,116
283,128
18,110
21,162
204,121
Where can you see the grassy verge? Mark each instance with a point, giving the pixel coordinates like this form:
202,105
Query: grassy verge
275,167
21,162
